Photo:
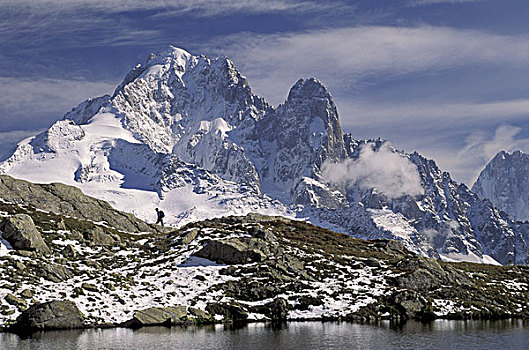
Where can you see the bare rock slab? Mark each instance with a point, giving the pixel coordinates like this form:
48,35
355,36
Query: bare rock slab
20,231
56,314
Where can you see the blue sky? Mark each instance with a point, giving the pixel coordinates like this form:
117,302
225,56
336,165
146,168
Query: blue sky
448,78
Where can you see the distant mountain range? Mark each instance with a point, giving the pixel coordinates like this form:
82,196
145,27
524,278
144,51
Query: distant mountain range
185,133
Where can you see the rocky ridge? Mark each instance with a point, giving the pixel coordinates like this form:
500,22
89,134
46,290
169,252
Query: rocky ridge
237,268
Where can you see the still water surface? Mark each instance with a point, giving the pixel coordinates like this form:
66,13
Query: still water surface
440,334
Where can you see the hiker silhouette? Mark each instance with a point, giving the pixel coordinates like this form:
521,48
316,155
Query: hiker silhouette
160,215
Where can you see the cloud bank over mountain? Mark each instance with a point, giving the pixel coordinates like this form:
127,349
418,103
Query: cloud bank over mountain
383,169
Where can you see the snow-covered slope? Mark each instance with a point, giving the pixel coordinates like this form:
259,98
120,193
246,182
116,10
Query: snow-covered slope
505,182
185,133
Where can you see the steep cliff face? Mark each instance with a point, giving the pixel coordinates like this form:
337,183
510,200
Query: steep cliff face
505,182
185,133
300,135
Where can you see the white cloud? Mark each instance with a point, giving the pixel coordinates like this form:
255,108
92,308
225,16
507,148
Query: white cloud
17,135
33,104
24,96
344,56
197,7
480,149
431,114
432,2
383,169
8,140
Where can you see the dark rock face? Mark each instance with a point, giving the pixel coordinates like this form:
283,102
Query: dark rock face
21,233
230,311
13,300
55,272
276,310
199,315
188,237
97,236
57,314
68,200
89,287
411,305
156,316
312,193
305,130
235,251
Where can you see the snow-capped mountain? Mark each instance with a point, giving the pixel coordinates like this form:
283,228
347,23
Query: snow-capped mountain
505,182
185,133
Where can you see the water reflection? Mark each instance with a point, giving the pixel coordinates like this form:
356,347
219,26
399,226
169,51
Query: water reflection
440,334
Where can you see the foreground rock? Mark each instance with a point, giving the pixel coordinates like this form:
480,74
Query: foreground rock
68,200
57,314
157,316
235,250
20,231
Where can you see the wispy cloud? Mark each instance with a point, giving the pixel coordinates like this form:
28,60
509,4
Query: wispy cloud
457,135
197,7
346,56
21,100
432,114
480,148
8,140
504,138
432,2
465,161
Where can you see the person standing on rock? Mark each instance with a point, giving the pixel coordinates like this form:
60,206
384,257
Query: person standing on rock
160,215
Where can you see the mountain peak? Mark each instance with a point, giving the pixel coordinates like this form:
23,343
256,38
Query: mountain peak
175,52
508,156
308,88
172,58
504,182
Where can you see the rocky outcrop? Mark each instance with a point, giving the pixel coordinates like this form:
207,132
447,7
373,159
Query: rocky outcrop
158,316
18,302
411,305
199,315
97,236
188,236
68,200
276,310
235,250
20,231
54,272
230,311
57,314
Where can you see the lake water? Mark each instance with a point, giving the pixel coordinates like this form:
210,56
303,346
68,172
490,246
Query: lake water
440,334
